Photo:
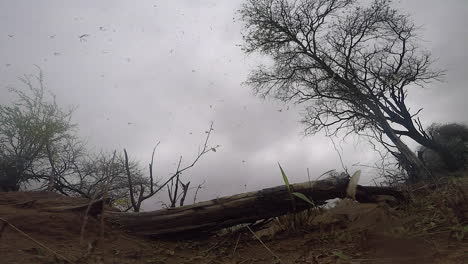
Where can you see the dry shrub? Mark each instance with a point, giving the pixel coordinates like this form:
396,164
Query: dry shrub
436,209
296,221
288,224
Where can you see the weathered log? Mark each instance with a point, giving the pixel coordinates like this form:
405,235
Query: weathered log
94,210
241,208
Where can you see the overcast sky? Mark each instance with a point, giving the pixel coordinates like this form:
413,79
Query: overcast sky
149,71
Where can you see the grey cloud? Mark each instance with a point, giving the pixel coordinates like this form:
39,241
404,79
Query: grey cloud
172,68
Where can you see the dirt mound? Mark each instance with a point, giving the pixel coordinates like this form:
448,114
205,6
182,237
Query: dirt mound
374,226
354,216
31,213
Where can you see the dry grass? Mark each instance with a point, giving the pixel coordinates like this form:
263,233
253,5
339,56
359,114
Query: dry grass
295,222
433,210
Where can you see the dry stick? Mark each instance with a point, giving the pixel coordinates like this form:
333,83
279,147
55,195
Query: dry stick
196,192
323,174
108,182
35,241
53,171
200,154
269,250
215,245
339,154
151,171
185,188
237,242
3,229
130,184
85,219
210,248
176,190
172,192
101,234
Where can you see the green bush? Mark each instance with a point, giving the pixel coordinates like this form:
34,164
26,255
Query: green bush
452,140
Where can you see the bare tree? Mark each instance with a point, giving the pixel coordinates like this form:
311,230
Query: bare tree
141,192
352,64
86,174
63,159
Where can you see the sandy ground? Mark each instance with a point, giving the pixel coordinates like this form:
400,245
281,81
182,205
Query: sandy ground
349,233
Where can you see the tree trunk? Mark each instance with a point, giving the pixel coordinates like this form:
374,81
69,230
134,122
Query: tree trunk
242,208
416,166
450,161
51,184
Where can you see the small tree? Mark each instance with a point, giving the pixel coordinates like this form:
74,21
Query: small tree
353,66
87,174
30,131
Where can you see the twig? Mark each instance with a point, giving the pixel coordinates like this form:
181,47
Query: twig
387,259
172,192
185,188
212,247
35,241
201,152
196,192
217,244
151,170
107,183
323,174
269,250
130,184
237,242
4,226
85,218
338,152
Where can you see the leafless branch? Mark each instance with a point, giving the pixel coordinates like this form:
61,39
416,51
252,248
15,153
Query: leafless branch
171,184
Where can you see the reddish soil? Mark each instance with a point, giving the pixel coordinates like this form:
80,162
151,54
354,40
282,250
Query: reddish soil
349,233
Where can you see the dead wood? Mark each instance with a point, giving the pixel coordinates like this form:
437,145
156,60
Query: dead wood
241,208
94,210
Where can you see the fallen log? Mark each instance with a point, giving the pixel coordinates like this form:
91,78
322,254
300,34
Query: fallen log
94,209
241,208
